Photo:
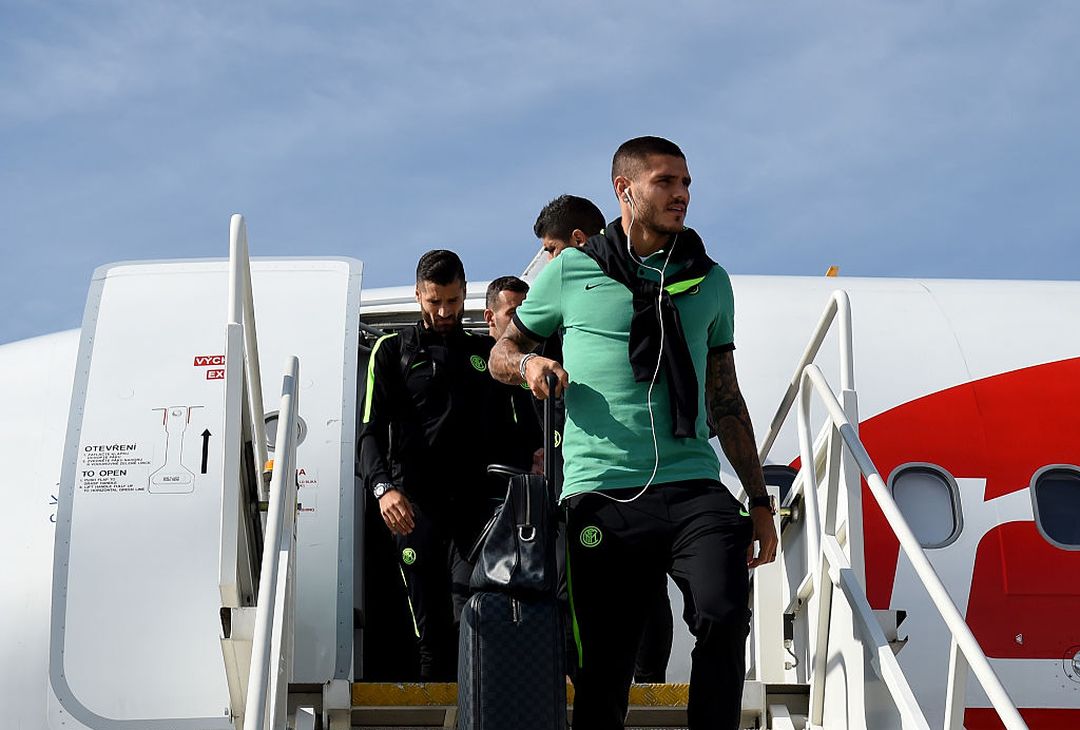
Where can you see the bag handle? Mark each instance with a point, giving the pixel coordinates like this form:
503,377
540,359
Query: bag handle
551,473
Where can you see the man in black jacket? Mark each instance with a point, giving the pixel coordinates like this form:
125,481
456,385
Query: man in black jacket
430,419
522,443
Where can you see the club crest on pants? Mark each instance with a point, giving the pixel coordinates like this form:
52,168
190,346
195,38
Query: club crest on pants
591,536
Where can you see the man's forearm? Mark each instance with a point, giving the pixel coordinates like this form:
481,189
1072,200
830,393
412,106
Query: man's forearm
505,361
730,419
372,462
504,364
736,434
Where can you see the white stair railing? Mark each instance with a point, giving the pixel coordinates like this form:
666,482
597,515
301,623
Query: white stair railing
243,489
837,310
272,643
845,463
242,312
244,435
838,305
965,650
768,601
257,548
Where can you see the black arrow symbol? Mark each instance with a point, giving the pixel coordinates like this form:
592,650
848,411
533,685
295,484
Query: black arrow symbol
205,448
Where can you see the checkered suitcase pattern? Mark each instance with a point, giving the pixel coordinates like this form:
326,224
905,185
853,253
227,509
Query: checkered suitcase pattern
511,674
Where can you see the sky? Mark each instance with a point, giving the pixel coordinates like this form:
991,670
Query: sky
926,139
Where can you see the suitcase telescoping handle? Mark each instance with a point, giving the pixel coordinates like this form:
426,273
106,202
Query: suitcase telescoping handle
551,473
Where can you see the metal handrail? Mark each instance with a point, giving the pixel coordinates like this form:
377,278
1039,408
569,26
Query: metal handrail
272,609
242,312
838,304
964,643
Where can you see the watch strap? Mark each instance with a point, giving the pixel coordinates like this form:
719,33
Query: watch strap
762,501
382,488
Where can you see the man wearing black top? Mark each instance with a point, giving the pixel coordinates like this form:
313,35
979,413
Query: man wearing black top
430,419
522,442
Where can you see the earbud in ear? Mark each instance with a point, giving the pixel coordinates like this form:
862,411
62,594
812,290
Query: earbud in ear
627,198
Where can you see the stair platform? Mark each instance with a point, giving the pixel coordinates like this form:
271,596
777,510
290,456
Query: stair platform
384,705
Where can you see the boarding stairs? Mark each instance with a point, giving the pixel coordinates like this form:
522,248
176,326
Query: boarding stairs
284,601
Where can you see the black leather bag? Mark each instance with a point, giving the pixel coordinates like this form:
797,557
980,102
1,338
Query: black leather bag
517,555
516,552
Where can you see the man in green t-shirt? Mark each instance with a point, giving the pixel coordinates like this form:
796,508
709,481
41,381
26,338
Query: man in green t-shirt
648,373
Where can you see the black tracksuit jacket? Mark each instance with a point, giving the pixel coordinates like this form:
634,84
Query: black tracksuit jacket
433,418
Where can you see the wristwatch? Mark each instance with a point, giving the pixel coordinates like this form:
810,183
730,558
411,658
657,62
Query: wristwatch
382,488
762,501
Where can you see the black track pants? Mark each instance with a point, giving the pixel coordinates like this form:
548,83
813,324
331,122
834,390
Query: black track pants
695,532
437,581
654,651
650,665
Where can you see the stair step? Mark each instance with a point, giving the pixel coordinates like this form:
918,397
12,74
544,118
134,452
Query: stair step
384,705
426,694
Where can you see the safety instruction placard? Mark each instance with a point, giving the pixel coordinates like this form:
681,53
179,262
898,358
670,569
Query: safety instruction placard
113,468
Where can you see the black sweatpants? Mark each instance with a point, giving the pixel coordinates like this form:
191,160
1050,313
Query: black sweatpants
654,650
694,531
432,562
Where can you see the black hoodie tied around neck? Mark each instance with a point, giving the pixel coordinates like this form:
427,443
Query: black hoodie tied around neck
688,257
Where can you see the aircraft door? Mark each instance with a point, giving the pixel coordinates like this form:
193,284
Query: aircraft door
136,625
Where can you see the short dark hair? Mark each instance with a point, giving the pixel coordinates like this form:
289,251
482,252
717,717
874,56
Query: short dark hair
568,213
504,283
440,267
631,155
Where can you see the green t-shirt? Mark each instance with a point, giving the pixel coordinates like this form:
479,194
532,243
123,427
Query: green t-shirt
608,441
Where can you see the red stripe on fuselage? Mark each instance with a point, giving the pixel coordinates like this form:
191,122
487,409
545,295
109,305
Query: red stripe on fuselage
979,718
1002,428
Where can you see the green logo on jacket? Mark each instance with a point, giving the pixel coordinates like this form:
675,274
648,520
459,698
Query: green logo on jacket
408,556
591,536
478,363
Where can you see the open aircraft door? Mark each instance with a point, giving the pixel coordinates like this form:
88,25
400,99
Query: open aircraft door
140,573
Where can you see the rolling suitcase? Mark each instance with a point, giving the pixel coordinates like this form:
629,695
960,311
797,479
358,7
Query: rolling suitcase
511,657
511,673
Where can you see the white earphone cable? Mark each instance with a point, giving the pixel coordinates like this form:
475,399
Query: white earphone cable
660,356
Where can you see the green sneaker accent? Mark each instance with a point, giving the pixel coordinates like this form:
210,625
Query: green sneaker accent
591,536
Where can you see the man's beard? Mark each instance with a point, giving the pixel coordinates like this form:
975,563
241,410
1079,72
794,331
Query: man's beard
649,218
444,326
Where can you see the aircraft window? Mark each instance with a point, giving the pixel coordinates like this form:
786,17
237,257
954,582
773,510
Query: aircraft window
1055,494
930,501
780,475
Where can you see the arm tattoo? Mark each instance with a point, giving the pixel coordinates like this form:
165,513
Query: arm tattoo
505,360
730,419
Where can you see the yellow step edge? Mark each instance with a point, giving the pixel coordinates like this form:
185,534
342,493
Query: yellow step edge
428,694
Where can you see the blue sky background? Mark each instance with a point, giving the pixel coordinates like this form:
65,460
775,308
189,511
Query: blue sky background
890,138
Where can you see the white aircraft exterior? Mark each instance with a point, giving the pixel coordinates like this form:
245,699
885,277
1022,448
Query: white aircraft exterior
114,439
